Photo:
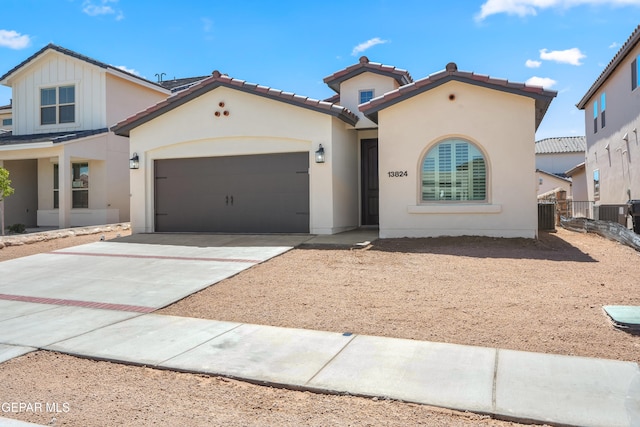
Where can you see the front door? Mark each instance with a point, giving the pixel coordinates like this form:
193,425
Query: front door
369,178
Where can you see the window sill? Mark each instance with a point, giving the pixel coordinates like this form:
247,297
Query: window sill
455,208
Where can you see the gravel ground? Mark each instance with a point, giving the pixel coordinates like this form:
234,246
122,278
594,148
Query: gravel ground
544,296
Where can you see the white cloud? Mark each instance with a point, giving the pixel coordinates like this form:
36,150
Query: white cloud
128,70
532,64
544,82
366,45
614,45
207,25
14,40
571,56
531,7
101,7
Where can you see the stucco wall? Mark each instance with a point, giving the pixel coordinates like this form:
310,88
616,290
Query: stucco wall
125,98
22,205
500,124
558,162
254,125
616,159
546,182
350,93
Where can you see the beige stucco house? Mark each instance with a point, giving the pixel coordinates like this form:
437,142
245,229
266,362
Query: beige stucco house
66,167
612,119
450,154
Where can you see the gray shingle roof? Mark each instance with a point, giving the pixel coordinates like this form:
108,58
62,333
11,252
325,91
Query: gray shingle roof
566,144
625,50
217,80
54,137
175,85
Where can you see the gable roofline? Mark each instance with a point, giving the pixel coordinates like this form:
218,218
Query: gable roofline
624,51
217,80
542,97
401,76
553,175
81,57
577,168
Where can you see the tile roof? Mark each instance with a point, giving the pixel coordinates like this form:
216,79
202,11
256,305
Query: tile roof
217,80
626,48
76,55
55,137
176,85
333,81
542,97
566,144
6,107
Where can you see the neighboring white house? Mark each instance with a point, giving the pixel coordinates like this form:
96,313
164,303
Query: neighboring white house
5,118
65,165
612,120
579,191
450,154
558,155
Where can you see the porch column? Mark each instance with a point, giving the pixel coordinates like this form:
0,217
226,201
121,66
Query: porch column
64,190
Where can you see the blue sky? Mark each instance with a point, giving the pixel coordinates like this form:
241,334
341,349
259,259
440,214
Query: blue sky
292,45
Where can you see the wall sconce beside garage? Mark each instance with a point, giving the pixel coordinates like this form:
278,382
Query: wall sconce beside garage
320,154
134,162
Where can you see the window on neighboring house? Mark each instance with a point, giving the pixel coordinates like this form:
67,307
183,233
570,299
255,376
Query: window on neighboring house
596,184
57,105
80,185
454,170
634,74
603,107
7,122
56,187
366,95
595,117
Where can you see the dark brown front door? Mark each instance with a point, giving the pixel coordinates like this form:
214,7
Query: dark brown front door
369,167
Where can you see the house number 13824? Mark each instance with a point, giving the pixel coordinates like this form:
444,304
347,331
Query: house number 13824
397,174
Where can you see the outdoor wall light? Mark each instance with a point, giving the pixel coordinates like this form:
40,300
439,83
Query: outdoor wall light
134,162
320,154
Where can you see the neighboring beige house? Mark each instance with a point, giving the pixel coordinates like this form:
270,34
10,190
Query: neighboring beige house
450,154
612,119
546,182
558,155
66,167
579,190
6,122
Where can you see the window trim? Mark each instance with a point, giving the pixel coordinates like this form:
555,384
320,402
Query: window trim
77,189
75,124
361,91
487,184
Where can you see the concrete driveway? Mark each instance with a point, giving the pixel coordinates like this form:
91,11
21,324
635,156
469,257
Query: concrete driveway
54,296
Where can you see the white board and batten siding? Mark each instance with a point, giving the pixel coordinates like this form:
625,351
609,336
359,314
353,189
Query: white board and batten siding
54,70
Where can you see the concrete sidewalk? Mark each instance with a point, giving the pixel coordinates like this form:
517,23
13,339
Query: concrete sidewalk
515,385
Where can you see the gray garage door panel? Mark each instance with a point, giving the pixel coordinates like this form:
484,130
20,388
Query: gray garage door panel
237,194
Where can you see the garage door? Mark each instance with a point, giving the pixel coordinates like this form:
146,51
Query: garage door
238,194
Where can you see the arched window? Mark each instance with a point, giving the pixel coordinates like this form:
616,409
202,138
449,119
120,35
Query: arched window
454,170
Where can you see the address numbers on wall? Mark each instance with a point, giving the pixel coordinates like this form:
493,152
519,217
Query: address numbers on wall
397,174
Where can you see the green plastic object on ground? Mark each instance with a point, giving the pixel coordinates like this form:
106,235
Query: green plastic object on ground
624,316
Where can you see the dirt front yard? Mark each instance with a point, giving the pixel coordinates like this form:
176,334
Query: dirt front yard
543,296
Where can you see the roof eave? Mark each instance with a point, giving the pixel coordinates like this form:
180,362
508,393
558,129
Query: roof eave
124,127
622,54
